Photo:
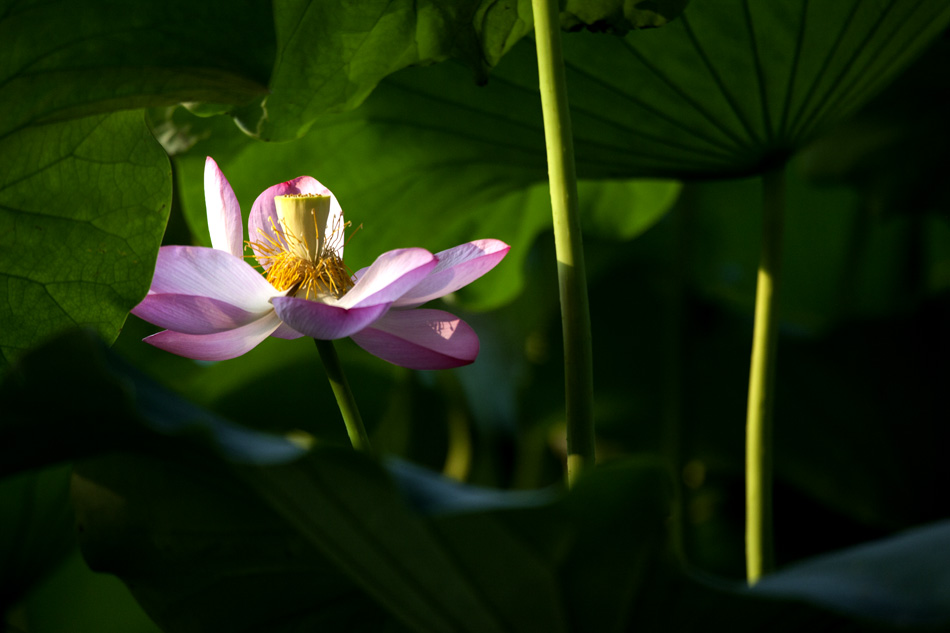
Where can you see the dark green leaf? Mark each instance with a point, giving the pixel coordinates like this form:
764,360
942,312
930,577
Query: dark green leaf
902,580
65,59
201,549
332,55
120,407
352,514
83,205
619,16
168,528
592,560
201,553
734,86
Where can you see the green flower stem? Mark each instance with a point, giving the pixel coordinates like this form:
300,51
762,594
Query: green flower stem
575,313
344,397
759,555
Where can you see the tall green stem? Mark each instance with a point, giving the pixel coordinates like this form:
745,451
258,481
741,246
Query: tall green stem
575,312
759,546
344,397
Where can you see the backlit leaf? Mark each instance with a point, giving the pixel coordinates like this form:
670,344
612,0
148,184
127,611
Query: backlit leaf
63,59
83,204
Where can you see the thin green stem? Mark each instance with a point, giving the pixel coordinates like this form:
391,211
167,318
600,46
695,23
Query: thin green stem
344,397
759,546
575,312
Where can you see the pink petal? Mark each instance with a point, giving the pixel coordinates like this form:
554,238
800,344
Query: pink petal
389,277
218,346
208,272
420,339
264,211
286,332
224,213
324,321
191,315
457,267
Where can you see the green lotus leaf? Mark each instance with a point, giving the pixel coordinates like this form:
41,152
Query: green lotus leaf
83,204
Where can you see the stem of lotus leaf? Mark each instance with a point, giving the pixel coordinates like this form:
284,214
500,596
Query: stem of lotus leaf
759,539
344,397
572,280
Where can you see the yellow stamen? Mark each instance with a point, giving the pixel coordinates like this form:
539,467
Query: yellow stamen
310,268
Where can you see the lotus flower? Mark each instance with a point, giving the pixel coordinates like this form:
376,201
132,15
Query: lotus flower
217,306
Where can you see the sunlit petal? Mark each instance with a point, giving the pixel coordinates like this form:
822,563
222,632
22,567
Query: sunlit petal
208,272
457,267
420,339
389,277
224,213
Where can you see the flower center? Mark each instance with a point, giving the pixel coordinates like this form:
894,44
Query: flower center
306,255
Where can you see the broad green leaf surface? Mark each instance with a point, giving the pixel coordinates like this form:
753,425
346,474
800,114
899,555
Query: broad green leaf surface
64,59
201,546
83,205
84,194
152,521
508,558
170,502
202,553
369,532
733,86
129,410
902,579
330,56
467,572
119,408
589,560
429,160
